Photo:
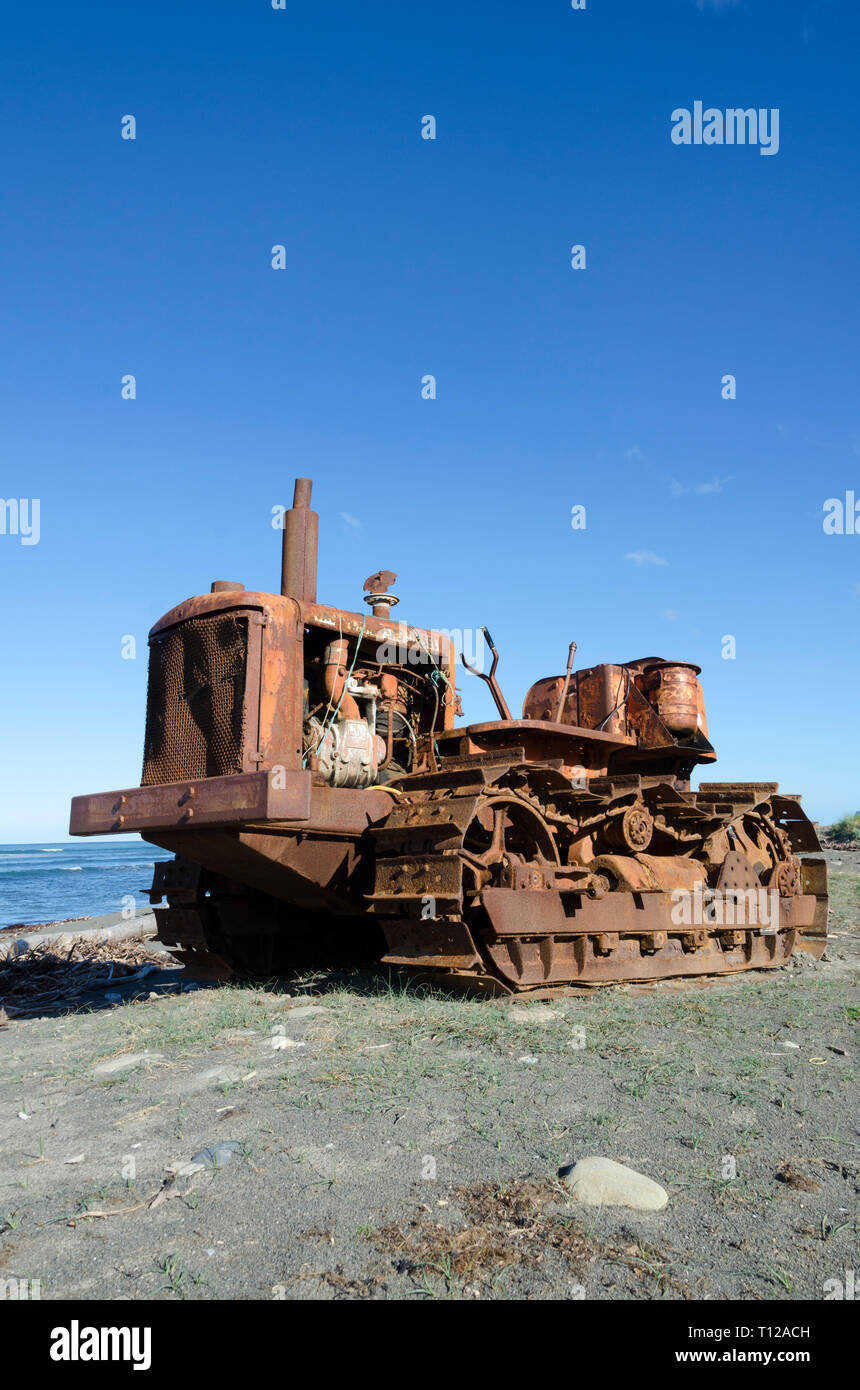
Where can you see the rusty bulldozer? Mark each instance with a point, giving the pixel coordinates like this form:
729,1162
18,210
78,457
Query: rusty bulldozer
304,765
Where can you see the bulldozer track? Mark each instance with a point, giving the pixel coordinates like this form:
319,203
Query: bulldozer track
506,905
220,930
521,883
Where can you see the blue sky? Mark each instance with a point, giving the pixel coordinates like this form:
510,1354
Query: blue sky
451,257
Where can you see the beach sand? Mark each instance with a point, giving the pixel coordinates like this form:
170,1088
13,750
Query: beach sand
389,1144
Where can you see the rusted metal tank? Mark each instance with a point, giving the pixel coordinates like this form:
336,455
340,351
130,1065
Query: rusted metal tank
306,766
673,690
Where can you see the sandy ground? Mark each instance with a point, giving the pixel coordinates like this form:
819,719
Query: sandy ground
383,1143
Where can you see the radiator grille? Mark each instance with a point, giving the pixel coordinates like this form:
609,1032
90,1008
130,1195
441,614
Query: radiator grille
195,707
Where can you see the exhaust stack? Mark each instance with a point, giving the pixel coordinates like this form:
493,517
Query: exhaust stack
299,552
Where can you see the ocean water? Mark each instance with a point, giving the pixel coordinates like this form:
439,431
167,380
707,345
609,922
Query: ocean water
50,882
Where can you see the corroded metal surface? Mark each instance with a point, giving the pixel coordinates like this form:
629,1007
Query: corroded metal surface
305,764
498,861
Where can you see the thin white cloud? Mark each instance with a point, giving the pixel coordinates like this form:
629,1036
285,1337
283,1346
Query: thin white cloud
679,489
645,557
351,521
634,452
670,614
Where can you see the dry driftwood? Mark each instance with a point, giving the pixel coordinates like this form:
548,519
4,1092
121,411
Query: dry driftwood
50,978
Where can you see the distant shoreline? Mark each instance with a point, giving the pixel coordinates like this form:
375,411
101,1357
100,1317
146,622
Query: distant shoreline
91,923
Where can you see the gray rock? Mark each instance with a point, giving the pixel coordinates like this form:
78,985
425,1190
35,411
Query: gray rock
601,1182
127,1062
532,1013
185,1170
215,1076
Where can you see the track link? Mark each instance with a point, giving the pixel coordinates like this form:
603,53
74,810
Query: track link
636,882
220,930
